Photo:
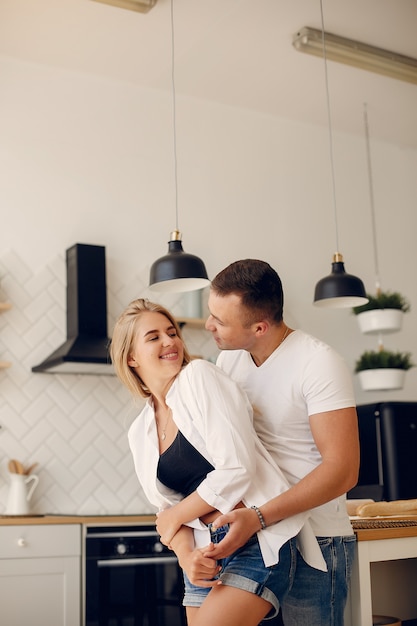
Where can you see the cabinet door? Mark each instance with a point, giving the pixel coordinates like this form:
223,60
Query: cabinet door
40,592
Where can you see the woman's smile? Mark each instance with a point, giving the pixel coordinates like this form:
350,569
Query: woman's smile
170,356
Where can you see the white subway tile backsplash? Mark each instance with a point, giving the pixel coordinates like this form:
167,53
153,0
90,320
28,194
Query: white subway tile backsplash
61,423
74,426
12,398
14,267
86,486
37,435
36,410
85,462
62,397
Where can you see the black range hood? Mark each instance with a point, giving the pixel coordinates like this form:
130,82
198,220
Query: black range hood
86,349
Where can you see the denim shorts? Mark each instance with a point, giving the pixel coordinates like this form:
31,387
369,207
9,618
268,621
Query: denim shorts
245,569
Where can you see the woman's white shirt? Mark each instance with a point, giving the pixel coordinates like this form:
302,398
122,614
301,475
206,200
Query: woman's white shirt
215,416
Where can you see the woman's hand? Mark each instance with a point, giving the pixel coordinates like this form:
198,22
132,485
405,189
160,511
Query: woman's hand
167,525
200,567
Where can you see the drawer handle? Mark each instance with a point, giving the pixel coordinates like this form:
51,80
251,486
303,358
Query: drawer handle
21,542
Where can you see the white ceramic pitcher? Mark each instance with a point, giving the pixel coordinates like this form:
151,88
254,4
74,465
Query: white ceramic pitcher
20,493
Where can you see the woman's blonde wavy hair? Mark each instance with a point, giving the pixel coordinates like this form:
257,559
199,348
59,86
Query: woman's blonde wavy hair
121,345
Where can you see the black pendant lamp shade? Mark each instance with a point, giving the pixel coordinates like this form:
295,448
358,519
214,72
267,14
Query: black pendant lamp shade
178,271
339,290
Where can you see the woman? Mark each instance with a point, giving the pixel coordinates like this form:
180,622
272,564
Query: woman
196,453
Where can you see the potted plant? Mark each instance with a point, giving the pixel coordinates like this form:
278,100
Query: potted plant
383,369
383,313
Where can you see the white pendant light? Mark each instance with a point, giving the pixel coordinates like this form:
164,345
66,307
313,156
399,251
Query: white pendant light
177,271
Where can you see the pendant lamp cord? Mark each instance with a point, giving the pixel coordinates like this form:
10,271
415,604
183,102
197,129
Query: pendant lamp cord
174,113
329,125
371,197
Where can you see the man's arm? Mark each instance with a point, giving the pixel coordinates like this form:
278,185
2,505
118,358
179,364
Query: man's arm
336,436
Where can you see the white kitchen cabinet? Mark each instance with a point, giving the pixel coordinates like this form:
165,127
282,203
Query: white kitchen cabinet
383,576
40,575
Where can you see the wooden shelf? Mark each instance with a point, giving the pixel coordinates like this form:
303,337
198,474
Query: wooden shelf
192,322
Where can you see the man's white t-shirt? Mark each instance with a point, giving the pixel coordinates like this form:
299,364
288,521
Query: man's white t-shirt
302,377
215,416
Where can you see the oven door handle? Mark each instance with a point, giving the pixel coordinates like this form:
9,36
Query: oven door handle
140,561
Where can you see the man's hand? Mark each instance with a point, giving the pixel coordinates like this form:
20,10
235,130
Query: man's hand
243,524
167,525
200,567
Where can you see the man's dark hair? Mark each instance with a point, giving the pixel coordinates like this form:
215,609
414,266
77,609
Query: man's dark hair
258,286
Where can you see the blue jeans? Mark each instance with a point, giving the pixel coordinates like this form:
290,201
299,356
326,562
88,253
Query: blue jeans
318,598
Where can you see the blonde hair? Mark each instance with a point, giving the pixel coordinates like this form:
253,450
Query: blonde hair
122,343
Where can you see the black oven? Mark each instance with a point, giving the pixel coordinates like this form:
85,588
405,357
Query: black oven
130,578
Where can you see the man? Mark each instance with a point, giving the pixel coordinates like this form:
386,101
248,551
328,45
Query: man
304,412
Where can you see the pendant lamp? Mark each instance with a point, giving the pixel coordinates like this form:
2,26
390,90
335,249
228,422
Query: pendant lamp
338,289
177,271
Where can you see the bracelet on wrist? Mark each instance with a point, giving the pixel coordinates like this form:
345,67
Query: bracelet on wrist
260,516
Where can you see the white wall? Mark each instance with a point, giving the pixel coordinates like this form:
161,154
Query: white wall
87,160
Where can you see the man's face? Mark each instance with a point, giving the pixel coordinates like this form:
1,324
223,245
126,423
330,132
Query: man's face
225,323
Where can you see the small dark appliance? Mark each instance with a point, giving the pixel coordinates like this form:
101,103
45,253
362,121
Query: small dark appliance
388,457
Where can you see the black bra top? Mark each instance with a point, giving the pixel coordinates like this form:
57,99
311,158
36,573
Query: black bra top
181,467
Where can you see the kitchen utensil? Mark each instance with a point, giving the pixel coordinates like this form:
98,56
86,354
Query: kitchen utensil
12,466
29,469
19,467
20,493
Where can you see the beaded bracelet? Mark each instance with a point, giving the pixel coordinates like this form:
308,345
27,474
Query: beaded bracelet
261,517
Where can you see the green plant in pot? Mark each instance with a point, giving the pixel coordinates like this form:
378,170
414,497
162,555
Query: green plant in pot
384,300
383,313
383,369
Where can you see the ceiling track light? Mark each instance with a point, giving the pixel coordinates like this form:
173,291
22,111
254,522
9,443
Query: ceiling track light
357,54
338,289
177,271
142,6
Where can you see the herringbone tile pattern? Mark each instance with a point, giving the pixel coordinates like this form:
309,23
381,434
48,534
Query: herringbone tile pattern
74,426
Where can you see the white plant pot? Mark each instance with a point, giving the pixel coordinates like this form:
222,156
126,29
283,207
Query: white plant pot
382,379
380,321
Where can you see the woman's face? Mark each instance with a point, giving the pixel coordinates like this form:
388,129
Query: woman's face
157,351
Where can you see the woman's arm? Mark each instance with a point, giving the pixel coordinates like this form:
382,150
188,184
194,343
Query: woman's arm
169,521
218,414
200,569
221,415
